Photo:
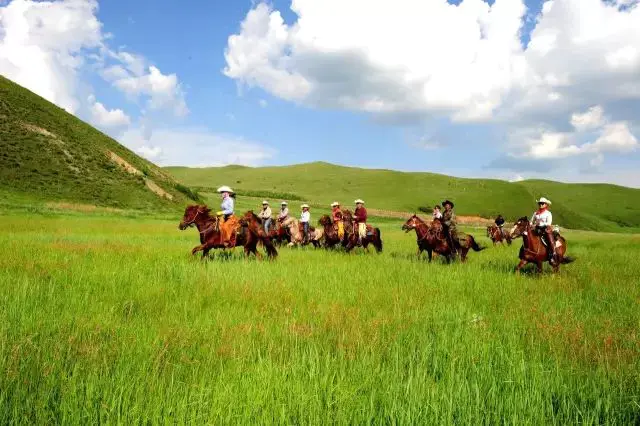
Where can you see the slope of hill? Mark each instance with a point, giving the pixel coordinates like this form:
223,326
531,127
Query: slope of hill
608,208
48,154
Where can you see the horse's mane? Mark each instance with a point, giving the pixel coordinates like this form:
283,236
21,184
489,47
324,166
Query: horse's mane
324,219
253,216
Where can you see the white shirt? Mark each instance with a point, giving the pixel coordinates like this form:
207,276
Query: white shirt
541,219
305,216
437,215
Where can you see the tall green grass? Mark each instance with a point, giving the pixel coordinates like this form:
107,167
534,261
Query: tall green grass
109,319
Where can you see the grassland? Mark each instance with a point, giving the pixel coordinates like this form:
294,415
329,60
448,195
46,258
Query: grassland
599,207
106,318
46,153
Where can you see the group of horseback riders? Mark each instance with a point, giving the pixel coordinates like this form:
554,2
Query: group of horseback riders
266,215
541,220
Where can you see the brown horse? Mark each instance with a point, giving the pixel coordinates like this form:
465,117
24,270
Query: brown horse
497,235
431,238
533,249
351,234
279,234
331,238
248,231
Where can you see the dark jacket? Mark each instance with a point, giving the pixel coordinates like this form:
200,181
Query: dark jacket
360,215
499,221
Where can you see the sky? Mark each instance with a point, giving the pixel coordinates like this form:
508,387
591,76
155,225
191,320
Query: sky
507,89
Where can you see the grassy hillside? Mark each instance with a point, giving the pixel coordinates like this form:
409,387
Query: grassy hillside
48,154
580,206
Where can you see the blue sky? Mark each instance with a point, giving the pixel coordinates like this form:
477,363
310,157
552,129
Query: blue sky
495,89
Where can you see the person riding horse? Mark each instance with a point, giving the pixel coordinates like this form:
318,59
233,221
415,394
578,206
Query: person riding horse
284,212
542,220
360,220
226,212
500,224
436,214
449,225
336,217
265,215
305,218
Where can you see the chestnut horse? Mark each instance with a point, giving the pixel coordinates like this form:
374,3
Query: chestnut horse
248,231
432,239
331,238
279,234
533,249
351,234
493,232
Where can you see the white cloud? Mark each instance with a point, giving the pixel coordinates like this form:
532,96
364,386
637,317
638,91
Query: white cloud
45,46
195,147
42,46
110,120
424,59
592,119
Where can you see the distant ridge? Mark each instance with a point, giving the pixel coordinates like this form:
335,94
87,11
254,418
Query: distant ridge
600,207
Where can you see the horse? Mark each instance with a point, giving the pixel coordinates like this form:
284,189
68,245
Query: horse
279,234
331,237
533,250
248,231
431,238
497,235
373,235
295,229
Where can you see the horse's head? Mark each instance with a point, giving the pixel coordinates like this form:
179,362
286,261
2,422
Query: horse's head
193,213
519,228
325,220
411,223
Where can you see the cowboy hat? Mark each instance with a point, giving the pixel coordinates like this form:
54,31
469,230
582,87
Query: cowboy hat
445,202
284,203
225,188
265,202
359,201
335,203
544,200
304,205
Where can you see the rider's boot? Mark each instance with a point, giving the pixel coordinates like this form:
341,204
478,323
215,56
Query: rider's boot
551,249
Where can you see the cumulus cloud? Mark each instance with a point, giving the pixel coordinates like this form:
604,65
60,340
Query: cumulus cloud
467,63
195,147
45,46
110,120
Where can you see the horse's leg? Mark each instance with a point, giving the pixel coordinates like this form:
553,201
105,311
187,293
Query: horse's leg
430,254
463,254
539,266
197,249
520,265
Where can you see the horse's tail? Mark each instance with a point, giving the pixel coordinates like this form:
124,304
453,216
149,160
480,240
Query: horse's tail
568,259
475,245
378,244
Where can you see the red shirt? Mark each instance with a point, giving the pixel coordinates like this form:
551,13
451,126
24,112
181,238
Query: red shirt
360,215
336,214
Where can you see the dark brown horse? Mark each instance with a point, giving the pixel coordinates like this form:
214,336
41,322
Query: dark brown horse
431,238
279,234
248,231
533,249
331,238
351,234
497,235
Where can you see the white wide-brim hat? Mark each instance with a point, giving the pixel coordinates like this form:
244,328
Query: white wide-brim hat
265,202
544,200
225,188
284,203
304,205
359,201
335,203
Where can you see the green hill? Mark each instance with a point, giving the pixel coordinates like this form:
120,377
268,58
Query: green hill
47,154
599,207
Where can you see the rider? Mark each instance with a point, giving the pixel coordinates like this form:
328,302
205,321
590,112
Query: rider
500,223
284,212
305,217
449,222
360,219
265,215
437,214
227,211
336,216
542,219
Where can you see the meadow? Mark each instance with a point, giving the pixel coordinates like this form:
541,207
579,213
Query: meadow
105,317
